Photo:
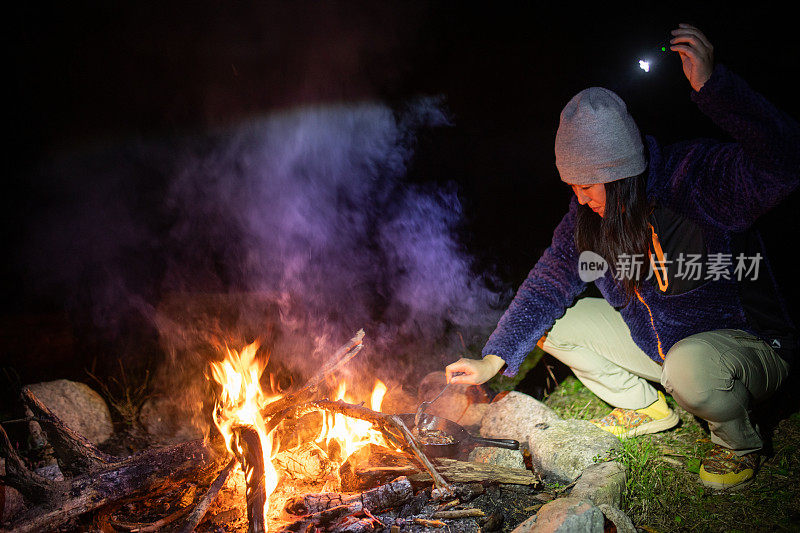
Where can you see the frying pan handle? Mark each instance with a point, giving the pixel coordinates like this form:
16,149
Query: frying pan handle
508,444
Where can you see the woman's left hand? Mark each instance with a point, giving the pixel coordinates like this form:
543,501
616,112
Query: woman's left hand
697,54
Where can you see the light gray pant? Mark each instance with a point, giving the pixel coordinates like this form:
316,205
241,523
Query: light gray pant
715,375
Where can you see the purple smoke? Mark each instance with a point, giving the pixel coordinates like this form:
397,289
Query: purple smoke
306,211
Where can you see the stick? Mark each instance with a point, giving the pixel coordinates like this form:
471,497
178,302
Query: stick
202,506
438,480
30,484
341,357
389,424
429,523
136,527
467,472
459,513
75,453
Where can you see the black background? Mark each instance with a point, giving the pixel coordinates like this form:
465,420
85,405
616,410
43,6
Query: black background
86,73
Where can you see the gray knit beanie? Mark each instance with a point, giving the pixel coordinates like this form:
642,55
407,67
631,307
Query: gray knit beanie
597,140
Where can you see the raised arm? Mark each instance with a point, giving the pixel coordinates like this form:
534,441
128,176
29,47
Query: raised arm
731,184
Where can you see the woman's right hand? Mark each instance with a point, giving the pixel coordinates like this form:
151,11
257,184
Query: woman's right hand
697,54
473,371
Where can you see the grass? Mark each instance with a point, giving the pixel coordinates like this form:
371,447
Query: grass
663,492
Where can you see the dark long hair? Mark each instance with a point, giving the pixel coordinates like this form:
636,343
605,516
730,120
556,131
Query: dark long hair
623,228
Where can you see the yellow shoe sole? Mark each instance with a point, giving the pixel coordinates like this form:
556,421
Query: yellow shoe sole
729,481
656,426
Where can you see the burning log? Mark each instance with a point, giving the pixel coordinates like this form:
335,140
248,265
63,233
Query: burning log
242,415
383,497
251,458
306,463
372,466
392,427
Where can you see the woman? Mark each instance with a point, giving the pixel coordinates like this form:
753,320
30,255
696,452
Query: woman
695,313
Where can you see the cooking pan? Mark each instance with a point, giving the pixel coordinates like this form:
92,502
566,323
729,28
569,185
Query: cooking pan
463,441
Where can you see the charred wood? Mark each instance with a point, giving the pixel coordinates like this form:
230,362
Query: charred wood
197,514
306,463
392,427
326,520
153,471
372,466
75,454
252,461
34,487
384,497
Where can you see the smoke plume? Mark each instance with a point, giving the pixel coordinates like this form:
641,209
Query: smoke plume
297,228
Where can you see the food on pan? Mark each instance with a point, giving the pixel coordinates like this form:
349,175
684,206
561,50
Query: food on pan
434,436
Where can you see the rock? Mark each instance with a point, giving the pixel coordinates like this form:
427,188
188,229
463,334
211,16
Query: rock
11,501
601,483
620,519
565,515
451,405
525,526
562,450
515,415
473,416
497,456
78,406
169,420
398,401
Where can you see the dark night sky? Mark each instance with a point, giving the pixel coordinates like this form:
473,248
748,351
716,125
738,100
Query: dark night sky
102,73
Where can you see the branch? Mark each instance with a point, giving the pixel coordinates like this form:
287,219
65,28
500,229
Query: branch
390,425
30,484
200,510
75,453
341,357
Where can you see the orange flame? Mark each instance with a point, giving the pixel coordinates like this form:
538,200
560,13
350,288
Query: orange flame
352,434
241,401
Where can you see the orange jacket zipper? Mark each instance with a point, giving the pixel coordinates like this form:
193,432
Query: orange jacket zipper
652,323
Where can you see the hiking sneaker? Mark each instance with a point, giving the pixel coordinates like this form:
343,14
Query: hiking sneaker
722,469
626,423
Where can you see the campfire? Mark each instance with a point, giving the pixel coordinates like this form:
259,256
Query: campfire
310,461
238,417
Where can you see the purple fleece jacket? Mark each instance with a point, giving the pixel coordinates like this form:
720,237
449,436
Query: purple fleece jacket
723,186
